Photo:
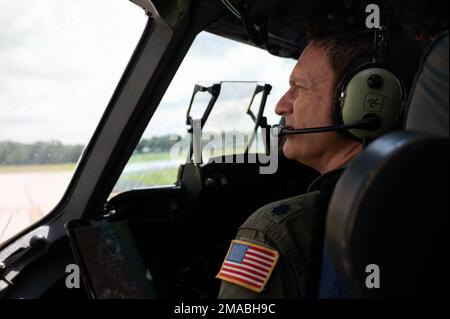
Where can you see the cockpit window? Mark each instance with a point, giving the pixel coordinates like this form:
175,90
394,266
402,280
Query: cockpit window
230,120
60,62
211,59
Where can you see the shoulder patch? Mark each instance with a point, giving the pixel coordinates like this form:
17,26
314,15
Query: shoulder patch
248,265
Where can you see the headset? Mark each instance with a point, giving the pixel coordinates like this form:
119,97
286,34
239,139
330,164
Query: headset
370,98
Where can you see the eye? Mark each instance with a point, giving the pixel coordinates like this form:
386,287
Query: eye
298,88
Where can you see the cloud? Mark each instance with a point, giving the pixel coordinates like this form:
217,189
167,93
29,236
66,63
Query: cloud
60,63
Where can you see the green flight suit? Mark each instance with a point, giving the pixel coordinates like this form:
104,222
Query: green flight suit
295,228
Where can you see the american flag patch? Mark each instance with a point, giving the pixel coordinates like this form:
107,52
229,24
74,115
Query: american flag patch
248,265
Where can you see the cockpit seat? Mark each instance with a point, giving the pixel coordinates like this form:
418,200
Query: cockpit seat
387,222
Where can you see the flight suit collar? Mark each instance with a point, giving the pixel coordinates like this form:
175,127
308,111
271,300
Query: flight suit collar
326,178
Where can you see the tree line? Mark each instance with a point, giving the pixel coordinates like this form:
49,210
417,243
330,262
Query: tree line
164,143
53,152
157,144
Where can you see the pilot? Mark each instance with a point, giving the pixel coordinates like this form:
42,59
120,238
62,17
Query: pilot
277,252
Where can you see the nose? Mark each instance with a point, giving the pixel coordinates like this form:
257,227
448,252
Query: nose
284,105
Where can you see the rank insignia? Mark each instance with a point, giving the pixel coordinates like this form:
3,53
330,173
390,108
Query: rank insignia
281,209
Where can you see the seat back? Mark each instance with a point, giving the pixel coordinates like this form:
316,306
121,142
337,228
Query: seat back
428,102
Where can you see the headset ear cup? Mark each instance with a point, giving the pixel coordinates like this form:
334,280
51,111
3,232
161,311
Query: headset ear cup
338,107
370,89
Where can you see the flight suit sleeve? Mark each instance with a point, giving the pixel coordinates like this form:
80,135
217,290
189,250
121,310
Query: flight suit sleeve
281,284
286,227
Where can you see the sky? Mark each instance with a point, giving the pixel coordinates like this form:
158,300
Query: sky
60,62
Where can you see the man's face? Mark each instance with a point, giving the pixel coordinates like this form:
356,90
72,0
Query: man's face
308,103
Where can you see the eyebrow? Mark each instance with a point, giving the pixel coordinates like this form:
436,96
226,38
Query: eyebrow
301,81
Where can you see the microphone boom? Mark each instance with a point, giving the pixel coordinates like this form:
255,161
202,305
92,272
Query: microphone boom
367,123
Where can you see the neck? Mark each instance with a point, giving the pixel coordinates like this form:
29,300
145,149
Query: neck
339,158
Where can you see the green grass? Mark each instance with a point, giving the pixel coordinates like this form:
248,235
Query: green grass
164,176
37,168
136,158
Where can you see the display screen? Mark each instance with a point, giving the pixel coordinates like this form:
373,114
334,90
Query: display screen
110,261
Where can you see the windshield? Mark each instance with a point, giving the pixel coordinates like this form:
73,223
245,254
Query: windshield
60,62
164,146
230,117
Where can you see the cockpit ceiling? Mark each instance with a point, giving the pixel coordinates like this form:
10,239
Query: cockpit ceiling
278,25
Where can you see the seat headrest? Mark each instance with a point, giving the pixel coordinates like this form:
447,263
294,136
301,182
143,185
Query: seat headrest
428,102
390,209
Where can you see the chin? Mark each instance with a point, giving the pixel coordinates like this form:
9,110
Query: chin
288,152
293,152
